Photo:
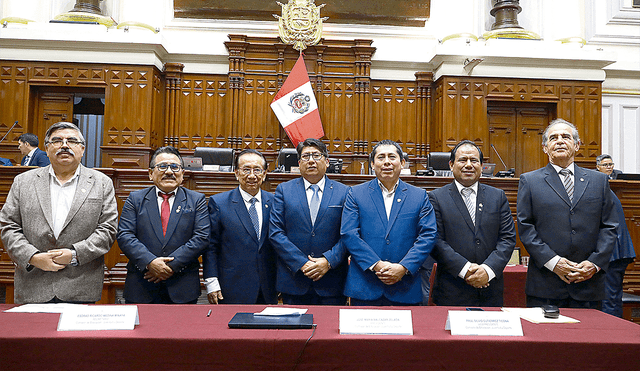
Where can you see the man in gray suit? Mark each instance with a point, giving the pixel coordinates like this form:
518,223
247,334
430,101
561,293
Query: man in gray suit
567,224
57,224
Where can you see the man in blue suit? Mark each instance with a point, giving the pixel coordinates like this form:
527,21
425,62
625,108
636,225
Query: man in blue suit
163,230
33,156
305,232
389,227
567,224
623,252
476,234
240,265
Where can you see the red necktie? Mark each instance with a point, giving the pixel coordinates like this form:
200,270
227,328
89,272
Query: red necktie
165,211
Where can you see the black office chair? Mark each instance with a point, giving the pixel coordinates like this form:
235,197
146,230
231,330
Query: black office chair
439,160
223,157
287,157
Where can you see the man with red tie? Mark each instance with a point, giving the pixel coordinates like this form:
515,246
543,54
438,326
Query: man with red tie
163,230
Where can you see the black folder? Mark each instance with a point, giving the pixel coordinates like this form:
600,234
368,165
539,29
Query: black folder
249,320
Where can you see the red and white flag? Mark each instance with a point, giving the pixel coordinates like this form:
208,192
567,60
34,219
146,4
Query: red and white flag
296,106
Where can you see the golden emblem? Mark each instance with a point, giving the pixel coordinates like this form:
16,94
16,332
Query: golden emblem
300,23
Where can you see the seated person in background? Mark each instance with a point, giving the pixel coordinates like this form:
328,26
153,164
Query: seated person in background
33,156
163,230
604,164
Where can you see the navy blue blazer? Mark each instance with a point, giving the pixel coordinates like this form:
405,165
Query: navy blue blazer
549,224
39,158
243,264
294,238
407,237
624,245
140,239
491,241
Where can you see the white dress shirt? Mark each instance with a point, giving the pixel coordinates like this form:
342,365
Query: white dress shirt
61,200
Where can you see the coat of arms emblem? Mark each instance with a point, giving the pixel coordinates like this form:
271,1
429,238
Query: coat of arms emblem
300,23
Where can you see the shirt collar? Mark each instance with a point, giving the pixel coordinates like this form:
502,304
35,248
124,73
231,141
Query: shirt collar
160,191
460,186
570,168
246,196
30,154
387,191
55,179
320,183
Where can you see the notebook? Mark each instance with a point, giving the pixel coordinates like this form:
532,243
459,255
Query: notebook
249,320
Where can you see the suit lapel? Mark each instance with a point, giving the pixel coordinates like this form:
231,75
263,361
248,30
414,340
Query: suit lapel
179,204
43,192
398,200
460,205
85,183
553,179
300,194
243,214
376,197
264,231
151,205
480,201
580,182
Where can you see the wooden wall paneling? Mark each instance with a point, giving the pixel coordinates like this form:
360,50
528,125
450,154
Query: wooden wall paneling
173,99
14,98
157,110
531,123
363,52
502,135
424,81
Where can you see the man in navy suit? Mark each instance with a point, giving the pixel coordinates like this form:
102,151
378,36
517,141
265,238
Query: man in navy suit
240,265
389,227
33,156
305,232
163,230
567,224
623,252
476,234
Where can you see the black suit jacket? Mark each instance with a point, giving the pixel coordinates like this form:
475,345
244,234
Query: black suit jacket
491,241
614,174
549,225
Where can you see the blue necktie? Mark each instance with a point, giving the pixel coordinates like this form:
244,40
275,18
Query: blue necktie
315,203
253,214
25,160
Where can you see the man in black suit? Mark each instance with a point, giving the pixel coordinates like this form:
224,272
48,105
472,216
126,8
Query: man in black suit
33,156
476,234
567,224
604,164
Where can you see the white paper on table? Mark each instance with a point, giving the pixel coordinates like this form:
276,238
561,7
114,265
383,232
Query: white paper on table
483,323
44,308
375,322
99,317
281,311
536,315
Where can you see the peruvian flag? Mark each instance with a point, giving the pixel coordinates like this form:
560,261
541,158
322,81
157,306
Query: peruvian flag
296,106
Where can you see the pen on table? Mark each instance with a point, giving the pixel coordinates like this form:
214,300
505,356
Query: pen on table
209,313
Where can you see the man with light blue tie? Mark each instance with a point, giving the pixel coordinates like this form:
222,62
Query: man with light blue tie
305,232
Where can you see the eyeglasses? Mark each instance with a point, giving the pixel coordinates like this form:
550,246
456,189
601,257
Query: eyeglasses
255,170
607,165
57,142
315,155
163,167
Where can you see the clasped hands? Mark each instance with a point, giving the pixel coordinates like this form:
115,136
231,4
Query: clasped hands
315,268
477,276
52,260
572,272
158,270
389,273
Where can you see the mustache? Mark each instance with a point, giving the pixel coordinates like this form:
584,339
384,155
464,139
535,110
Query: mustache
169,176
65,150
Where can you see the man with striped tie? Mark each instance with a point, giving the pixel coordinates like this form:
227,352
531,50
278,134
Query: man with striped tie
476,234
567,225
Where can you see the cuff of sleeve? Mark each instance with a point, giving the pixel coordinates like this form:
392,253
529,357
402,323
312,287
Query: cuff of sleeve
212,284
74,257
551,264
465,269
489,271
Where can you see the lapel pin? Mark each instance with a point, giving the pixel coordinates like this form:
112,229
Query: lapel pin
84,190
178,209
480,205
582,179
266,206
399,200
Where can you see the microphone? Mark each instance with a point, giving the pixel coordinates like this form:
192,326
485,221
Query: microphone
504,173
12,126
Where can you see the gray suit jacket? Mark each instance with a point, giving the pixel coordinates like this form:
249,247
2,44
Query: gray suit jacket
90,228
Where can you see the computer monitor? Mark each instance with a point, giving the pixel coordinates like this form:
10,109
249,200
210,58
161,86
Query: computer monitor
488,169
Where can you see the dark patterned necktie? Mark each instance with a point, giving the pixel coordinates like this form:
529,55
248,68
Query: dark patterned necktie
568,182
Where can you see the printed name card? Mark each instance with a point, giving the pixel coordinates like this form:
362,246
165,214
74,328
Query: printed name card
487,323
99,317
375,322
